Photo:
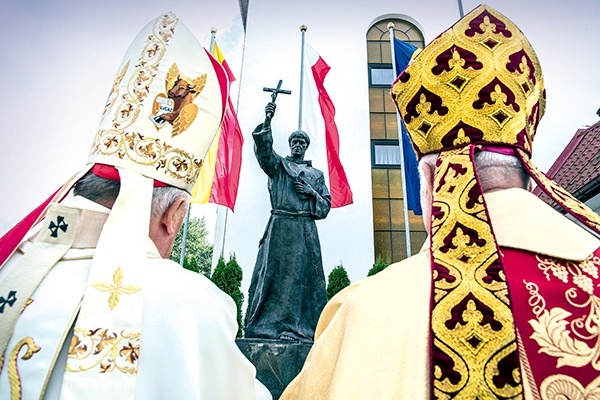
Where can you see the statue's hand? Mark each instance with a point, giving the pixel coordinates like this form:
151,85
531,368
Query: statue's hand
270,110
304,188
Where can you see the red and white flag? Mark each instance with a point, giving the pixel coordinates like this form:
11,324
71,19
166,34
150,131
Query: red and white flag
220,173
319,119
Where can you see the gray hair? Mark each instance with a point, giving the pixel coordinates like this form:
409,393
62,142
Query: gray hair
164,197
493,169
105,191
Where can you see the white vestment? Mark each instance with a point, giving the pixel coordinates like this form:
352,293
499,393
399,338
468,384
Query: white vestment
187,349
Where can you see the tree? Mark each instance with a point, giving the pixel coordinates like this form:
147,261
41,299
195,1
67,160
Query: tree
337,280
198,250
228,278
379,266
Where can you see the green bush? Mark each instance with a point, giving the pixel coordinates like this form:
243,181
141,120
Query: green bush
198,250
191,262
379,266
228,278
336,281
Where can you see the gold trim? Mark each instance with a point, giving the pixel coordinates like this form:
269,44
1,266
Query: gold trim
463,246
139,84
147,151
14,378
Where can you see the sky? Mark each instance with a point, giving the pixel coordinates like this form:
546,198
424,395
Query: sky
60,61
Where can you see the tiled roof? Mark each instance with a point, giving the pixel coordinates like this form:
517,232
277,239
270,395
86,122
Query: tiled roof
577,169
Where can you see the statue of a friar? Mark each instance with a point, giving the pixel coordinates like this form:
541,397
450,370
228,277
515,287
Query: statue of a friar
287,292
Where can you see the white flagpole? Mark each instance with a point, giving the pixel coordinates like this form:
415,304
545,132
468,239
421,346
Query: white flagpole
303,29
460,8
402,166
237,105
184,239
213,31
211,46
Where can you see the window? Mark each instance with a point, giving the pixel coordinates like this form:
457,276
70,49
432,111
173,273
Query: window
381,75
385,153
389,229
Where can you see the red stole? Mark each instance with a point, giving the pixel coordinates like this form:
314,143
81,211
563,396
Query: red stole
557,314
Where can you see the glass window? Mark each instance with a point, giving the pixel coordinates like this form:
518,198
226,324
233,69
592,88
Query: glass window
388,211
380,183
395,183
385,154
378,125
381,214
397,215
391,126
376,100
381,76
383,245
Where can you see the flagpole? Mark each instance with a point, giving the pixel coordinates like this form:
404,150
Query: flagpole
211,46
237,106
184,239
303,29
390,27
213,31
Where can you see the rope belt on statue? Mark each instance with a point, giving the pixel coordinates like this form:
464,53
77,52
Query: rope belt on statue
285,214
291,214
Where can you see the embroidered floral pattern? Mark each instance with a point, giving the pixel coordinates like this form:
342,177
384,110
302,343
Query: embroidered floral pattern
105,349
148,151
577,271
574,340
559,387
138,85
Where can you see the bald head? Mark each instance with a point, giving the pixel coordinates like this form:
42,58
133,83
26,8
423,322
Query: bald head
495,171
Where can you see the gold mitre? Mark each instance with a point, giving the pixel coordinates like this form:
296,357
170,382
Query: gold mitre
165,106
478,82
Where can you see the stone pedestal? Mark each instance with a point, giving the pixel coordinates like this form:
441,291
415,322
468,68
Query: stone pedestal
277,362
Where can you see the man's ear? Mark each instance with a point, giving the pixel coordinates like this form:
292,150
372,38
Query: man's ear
174,216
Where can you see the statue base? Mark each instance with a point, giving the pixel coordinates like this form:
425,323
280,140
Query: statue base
277,362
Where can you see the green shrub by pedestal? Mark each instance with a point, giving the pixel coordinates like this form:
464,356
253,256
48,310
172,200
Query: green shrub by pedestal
228,278
336,281
378,266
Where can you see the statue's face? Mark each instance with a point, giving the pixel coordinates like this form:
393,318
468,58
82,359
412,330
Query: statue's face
298,147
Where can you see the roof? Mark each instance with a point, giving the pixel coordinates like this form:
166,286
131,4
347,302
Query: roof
577,169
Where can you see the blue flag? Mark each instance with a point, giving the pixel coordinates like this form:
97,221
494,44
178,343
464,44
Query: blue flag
403,52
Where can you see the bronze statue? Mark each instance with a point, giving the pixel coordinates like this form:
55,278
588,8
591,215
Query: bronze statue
287,291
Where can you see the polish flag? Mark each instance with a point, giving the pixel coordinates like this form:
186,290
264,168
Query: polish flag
319,121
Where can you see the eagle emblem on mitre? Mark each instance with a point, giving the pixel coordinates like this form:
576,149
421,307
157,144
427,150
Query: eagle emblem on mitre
176,106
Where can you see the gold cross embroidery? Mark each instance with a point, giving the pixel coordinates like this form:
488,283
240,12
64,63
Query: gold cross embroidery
115,288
